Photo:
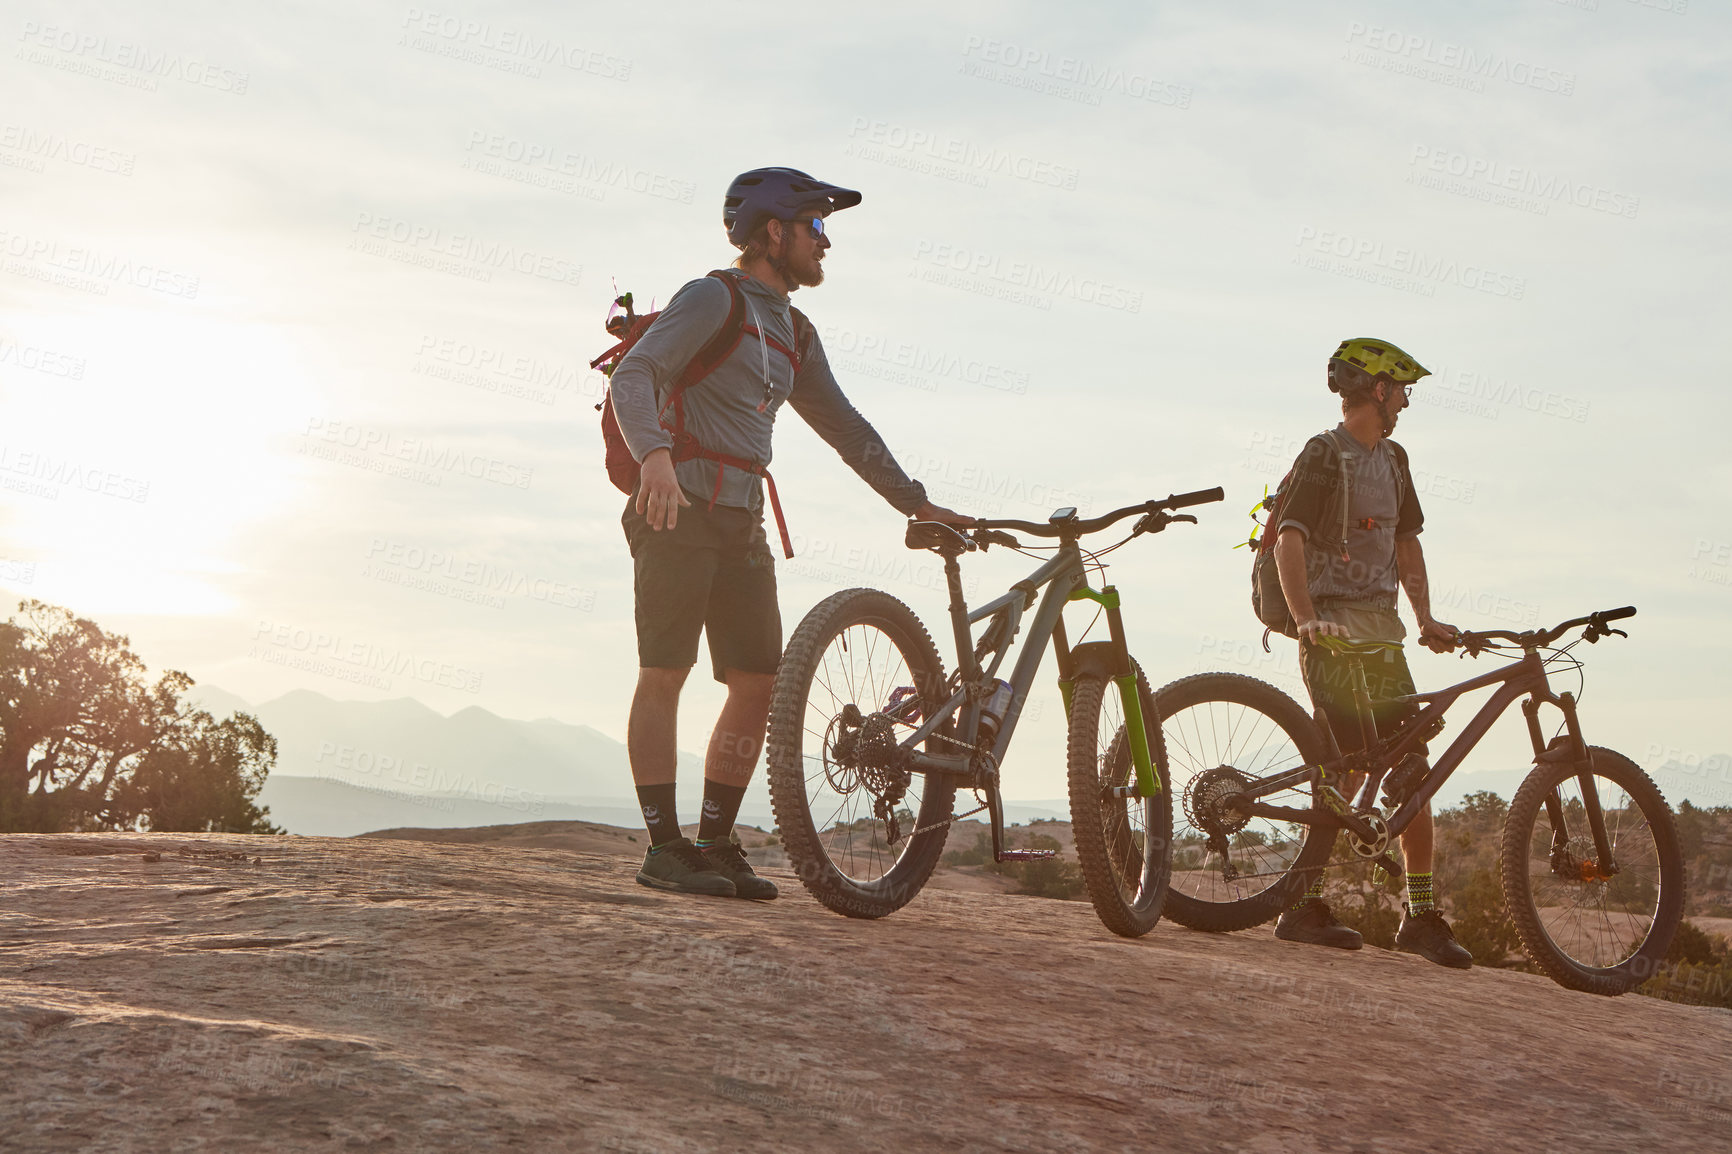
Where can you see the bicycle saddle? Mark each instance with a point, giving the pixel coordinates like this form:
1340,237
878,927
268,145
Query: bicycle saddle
1359,648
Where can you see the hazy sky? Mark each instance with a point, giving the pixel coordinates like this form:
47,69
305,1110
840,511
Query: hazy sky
296,300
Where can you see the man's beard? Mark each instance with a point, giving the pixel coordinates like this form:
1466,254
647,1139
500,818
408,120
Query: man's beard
1388,417
809,276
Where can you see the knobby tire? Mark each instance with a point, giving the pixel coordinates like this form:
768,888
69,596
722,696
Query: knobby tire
1127,887
800,701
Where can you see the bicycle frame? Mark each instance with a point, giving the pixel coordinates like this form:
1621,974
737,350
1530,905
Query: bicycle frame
1065,580
1525,677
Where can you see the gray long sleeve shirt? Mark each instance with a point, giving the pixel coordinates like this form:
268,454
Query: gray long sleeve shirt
733,410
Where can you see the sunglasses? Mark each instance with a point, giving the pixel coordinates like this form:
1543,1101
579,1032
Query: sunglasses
814,223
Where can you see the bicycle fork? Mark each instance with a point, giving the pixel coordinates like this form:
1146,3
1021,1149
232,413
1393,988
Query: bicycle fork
1124,675
1571,748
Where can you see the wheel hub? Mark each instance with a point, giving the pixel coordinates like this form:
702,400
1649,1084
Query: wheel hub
863,754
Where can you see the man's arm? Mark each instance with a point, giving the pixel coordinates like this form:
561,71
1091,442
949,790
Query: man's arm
1410,564
1290,565
819,401
1313,478
692,317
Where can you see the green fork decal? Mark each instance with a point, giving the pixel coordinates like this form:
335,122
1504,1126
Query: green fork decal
1148,780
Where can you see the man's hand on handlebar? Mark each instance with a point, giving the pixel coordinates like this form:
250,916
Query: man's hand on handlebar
930,512
1438,637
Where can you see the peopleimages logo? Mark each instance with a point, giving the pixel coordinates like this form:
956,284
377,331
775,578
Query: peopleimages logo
68,150
148,62
1485,179
1405,262
1024,277
387,446
922,144
315,650
490,254
1068,77
25,252
519,44
1413,50
556,160
861,352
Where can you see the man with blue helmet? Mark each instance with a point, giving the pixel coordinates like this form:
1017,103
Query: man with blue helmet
702,562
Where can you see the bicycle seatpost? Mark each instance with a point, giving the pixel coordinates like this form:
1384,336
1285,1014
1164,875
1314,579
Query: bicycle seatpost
959,619
1362,701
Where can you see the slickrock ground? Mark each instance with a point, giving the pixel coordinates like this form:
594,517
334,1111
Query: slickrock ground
398,995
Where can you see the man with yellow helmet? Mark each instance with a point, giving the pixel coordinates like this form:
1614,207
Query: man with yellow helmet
1348,538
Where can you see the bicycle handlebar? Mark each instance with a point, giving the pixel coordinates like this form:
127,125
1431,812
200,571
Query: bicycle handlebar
1476,640
1075,527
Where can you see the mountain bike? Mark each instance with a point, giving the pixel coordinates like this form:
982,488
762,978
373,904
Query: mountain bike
1590,863
869,740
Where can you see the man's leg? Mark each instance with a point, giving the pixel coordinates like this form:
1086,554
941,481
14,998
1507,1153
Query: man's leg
745,631
1310,919
653,748
1423,928
733,753
1416,847
673,571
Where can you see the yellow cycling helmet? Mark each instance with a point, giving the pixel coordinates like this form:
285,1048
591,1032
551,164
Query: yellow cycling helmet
1378,358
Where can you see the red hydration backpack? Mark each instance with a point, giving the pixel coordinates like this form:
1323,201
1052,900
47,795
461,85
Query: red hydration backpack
622,468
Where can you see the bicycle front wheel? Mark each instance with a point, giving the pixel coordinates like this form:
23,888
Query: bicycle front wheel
1124,845
1588,931
1221,731
859,674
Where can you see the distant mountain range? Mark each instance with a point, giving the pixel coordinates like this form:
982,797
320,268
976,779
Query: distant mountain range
349,767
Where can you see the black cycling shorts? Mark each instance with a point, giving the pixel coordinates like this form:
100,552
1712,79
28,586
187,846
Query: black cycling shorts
712,573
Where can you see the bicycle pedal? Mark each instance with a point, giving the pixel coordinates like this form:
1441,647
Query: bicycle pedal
1026,854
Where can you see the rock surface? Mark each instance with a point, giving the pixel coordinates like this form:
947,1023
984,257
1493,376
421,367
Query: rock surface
385,994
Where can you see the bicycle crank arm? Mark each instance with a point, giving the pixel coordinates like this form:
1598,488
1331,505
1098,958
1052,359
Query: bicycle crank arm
1286,813
1314,817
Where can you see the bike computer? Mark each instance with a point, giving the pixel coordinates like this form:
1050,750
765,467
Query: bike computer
1068,513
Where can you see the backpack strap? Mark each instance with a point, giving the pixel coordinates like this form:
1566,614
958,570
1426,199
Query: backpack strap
708,359
804,334
1402,480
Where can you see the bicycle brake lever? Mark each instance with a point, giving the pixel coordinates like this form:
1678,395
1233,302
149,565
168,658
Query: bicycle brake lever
1185,517
1155,522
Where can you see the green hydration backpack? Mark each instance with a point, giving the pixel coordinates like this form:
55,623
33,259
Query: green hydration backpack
1267,600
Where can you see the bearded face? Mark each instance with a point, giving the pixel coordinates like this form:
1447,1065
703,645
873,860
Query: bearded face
799,258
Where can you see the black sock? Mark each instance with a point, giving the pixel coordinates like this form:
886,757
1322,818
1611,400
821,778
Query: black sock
658,813
721,807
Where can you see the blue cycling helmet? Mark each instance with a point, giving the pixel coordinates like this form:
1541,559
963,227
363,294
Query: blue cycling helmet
775,194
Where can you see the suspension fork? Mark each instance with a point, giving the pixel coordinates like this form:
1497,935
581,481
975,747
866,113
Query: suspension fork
1590,792
1578,754
1125,677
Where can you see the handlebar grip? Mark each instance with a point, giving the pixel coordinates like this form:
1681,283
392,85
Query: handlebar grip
1203,497
1617,614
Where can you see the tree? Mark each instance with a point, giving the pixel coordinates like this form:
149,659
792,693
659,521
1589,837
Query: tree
87,743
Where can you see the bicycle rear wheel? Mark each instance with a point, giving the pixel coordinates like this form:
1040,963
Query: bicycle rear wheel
1220,731
1124,845
1601,935
857,677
